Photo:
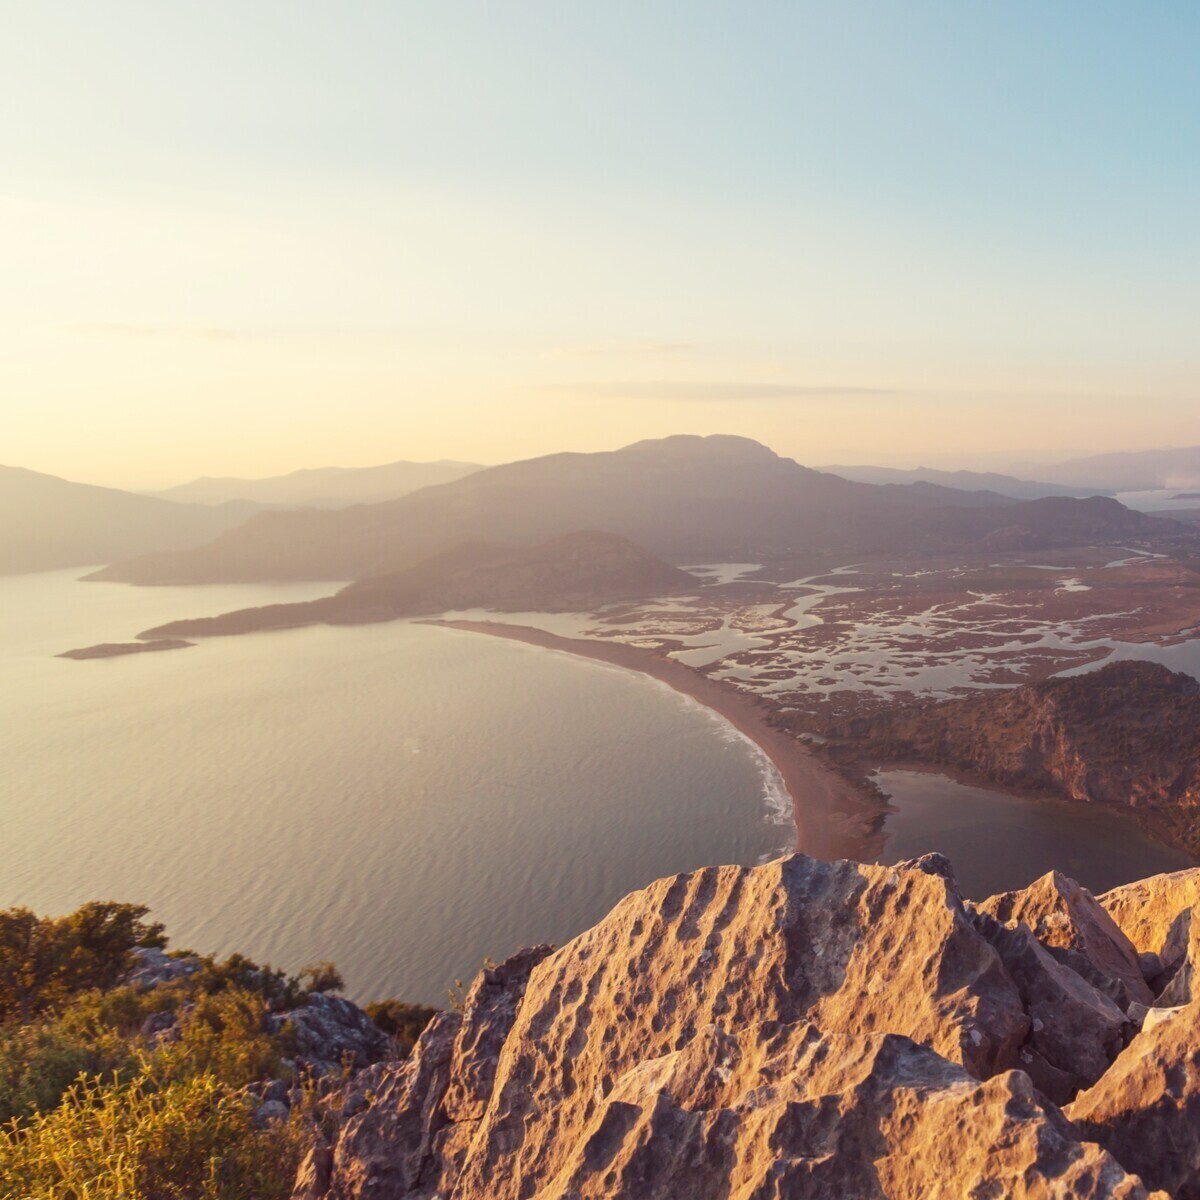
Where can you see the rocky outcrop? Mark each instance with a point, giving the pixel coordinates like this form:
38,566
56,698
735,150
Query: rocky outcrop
1146,1109
1075,928
327,1033
1127,735
1155,914
153,966
1075,1030
800,1029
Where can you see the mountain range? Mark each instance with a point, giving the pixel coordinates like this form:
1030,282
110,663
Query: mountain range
968,481
683,498
1132,470
47,523
322,487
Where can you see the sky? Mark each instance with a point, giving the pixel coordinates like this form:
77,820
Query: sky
241,239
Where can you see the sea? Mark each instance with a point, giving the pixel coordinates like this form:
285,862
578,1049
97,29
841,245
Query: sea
408,800
404,800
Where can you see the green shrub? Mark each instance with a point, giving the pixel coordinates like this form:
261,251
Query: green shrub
401,1022
223,1036
46,960
38,1063
189,1140
321,977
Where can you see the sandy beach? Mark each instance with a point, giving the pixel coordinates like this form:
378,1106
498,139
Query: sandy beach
833,820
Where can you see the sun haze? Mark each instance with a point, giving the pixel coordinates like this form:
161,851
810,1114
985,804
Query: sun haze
246,239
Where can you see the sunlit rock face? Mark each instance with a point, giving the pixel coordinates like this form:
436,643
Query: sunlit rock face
799,1029
1146,1108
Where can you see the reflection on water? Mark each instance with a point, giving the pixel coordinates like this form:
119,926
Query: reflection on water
998,842
402,799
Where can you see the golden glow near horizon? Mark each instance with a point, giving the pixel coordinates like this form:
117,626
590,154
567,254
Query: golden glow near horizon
248,242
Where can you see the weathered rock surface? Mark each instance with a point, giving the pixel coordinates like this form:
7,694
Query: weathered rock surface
152,966
1155,914
1146,1109
1073,925
1075,1029
800,1029
327,1033
784,1110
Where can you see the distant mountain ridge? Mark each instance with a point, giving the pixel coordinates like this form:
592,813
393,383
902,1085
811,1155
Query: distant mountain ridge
323,487
1132,470
683,498
575,573
47,523
968,481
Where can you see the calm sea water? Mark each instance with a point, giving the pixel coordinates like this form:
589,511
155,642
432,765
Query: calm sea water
401,799
999,842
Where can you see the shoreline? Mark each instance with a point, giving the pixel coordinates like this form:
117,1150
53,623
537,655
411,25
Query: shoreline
832,818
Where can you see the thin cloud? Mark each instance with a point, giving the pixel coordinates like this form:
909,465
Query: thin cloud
617,349
713,390
121,329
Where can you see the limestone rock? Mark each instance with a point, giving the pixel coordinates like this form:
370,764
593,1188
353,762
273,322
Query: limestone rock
313,1177
1075,1029
784,1110
327,1032
152,966
1146,1109
1155,913
488,1015
1075,928
387,1149
799,1029
854,949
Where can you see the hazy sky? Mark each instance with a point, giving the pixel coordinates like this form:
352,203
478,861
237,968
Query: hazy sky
241,238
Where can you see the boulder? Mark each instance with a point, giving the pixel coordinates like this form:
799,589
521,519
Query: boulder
327,1033
1146,1108
270,1112
1075,1029
1072,924
152,966
1155,913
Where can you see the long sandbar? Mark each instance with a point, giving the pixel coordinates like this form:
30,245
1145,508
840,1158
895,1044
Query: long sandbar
833,820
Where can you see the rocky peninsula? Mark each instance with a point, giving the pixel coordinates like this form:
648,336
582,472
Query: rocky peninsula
117,649
1126,735
577,572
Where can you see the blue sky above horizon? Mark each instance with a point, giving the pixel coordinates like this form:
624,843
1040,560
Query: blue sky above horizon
242,239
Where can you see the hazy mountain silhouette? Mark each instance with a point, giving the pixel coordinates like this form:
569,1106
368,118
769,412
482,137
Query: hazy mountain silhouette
970,481
684,498
323,487
1133,470
47,522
